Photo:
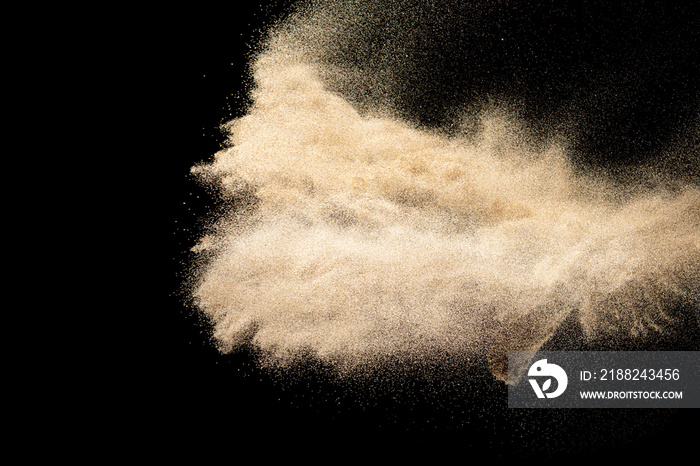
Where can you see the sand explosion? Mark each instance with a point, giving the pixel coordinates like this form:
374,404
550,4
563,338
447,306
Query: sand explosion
356,235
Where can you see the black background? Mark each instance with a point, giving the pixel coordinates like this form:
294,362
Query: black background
200,402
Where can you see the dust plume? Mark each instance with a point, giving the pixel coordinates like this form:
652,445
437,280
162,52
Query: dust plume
357,235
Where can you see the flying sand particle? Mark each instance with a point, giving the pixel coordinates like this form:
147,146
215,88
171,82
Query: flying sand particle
358,236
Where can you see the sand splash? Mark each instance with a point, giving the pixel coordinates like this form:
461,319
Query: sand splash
365,237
